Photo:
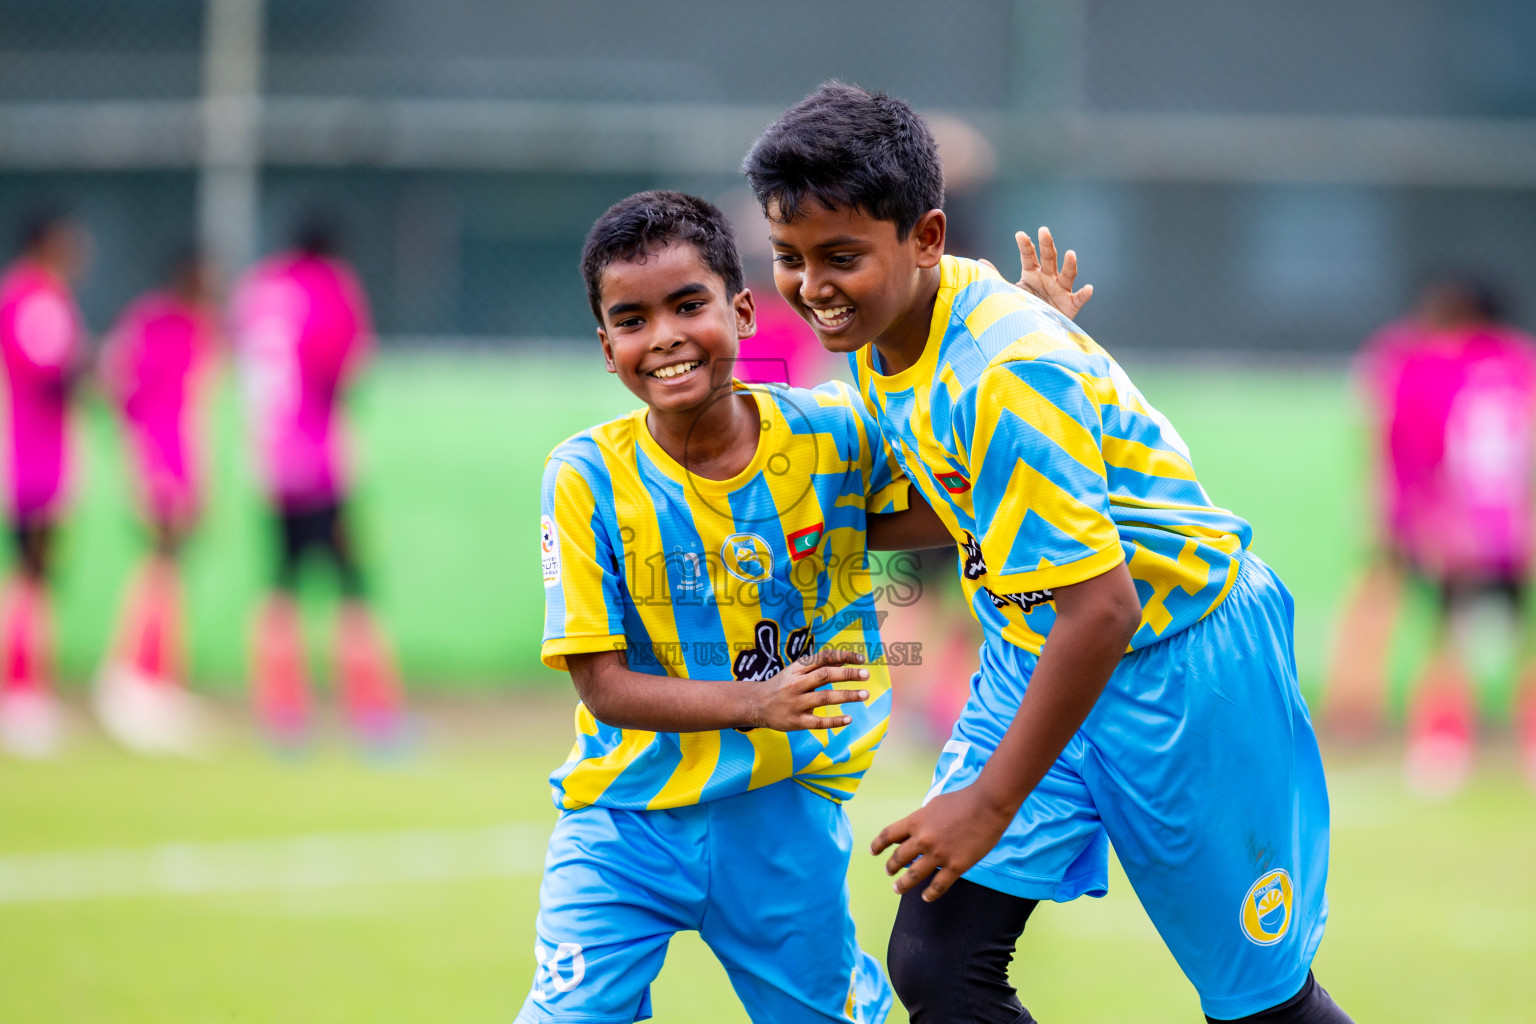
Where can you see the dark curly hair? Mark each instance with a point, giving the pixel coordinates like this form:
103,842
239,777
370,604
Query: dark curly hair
846,147
648,221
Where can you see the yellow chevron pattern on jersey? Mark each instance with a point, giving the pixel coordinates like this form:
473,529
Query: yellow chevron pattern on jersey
718,579
1047,464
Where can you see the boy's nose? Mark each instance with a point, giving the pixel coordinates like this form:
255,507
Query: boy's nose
814,289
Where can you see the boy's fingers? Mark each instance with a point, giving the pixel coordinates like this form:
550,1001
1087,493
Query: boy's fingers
1068,269
940,884
838,674
810,721
1047,250
1027,257
827,698
916,874
910,850
893,833
838,656
1083,294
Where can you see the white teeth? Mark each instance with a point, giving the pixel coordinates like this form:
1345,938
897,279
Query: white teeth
833,315
675,370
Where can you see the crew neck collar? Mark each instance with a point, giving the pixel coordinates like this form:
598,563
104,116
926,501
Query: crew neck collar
678,472
922,370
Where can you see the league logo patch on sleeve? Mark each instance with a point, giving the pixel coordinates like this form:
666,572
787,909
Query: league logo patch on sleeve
549,549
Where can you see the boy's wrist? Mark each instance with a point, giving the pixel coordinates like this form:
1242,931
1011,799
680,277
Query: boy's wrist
751,710
996,796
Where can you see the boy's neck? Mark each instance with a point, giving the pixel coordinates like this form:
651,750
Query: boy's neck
715,441
902,346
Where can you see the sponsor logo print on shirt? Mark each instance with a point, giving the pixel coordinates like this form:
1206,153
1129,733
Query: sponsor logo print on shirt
747,557
764,660
1266,910
804,542
690,567
975,568
549,549
1027,601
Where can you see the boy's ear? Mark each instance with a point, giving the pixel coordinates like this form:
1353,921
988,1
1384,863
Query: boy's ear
928,236
746,313
602,336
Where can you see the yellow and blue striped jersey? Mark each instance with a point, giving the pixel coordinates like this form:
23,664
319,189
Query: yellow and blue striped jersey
718,579
1047,464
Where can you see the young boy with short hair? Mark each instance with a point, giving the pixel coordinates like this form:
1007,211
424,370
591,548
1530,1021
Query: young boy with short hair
1163,715
706,575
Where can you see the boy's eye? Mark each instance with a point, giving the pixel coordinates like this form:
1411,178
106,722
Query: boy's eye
691,306
630,321
785,257
842,259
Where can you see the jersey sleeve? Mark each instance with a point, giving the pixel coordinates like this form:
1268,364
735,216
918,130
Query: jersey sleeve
887,488
583,593
1033,437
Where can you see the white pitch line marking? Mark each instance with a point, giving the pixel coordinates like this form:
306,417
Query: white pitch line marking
289,863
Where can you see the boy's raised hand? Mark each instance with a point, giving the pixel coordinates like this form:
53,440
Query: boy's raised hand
788,700
1040,275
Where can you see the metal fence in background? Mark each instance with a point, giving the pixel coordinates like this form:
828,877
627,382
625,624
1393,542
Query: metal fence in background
1243,177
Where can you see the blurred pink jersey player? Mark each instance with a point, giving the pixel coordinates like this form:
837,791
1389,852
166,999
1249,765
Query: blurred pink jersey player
42,345
1455,393
1478,390
1407,449
41,342
1485,512
153,365
302,330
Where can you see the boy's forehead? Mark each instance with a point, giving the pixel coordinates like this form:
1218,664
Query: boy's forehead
815,223
655,273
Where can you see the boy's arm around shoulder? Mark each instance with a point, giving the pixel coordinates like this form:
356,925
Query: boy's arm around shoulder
916,528
898,519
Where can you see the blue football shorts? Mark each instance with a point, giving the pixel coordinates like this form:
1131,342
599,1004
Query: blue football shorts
762,876
1200,766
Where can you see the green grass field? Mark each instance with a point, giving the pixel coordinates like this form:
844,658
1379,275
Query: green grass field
408,894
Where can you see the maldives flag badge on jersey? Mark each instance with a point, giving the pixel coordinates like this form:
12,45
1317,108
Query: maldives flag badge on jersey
954,483
803,542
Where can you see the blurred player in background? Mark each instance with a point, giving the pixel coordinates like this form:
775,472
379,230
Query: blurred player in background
42,341
153,367
303,330
1453,392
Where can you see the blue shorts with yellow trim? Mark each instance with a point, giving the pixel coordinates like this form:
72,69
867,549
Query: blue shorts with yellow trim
762,876
1200,766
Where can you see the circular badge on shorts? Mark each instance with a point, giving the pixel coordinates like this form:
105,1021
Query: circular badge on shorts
1266,913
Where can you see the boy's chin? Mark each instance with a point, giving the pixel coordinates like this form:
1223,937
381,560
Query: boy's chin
841,343
695,397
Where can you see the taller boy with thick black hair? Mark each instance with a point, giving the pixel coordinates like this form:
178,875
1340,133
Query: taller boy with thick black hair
1163,715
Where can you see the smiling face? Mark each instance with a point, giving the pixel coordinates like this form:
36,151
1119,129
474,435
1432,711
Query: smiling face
670,331
849,275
